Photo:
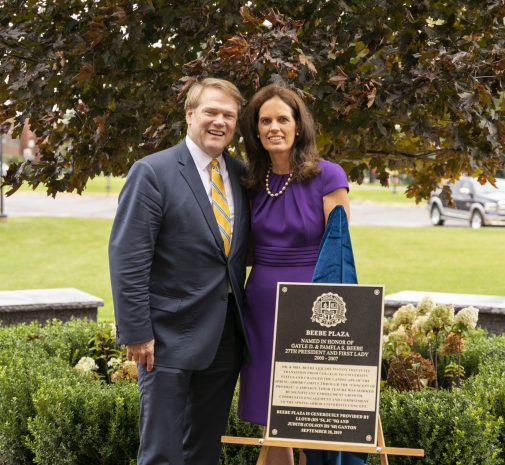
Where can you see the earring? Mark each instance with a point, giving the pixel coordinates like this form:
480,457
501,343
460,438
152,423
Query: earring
297,133
258,136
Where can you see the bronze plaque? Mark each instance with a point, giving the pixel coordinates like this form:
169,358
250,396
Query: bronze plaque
326,361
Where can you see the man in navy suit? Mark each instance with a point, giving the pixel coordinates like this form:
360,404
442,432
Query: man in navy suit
178,285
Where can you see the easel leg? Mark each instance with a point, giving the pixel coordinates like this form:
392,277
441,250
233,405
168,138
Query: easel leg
381,443
263,455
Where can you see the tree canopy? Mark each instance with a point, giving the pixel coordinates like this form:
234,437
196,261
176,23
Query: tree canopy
411,85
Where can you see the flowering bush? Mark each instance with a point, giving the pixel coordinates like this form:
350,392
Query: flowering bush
106,361
86,365
423,345
54,414
126,370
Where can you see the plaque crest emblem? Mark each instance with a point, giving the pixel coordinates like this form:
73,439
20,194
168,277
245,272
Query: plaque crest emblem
329,310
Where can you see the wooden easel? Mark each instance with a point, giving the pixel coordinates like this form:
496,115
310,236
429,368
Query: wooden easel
381,448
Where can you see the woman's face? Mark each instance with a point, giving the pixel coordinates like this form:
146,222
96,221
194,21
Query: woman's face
276,126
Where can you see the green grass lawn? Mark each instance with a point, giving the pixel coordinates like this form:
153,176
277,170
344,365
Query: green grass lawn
37,253
364,192
72,252
448,259
377,193
97,185
104,185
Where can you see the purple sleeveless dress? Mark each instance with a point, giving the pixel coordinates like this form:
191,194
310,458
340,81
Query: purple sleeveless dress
286,233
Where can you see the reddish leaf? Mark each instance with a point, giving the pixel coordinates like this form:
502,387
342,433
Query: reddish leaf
302,58
84,74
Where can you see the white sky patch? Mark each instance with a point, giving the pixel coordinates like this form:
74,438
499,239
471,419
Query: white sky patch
69,114
434,22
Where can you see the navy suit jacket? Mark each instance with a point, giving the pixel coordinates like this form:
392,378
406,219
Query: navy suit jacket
168,268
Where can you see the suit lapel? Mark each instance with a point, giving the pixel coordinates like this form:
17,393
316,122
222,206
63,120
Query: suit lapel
234,176
190,173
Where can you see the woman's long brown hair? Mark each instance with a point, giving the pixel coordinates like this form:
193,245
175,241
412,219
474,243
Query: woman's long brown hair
303,159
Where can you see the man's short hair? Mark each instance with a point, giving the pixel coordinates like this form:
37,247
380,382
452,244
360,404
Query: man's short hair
196,89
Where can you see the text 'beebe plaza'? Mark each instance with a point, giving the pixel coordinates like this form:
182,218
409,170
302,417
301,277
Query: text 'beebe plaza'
327,349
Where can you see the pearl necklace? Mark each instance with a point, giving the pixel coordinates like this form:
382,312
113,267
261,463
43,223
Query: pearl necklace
267,184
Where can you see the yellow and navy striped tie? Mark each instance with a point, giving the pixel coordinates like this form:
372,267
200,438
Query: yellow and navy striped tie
220,204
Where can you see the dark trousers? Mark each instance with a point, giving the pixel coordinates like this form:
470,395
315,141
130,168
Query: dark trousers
183,413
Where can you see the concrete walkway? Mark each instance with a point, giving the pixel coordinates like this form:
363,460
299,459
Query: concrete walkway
64,205
384,214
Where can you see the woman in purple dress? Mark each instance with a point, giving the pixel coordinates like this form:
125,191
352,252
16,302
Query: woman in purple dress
292,193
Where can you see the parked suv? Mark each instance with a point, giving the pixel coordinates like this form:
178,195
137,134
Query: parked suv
481,205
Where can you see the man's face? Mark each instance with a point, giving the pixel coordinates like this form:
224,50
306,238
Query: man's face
212,123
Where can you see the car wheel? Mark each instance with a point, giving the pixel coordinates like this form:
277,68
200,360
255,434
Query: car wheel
476,220
436,216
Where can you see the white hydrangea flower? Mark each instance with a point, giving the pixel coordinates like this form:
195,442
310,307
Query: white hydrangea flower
113,330
425,306
468,316
387,325
405,315
417,327
114,363
440,317
86,365
398,335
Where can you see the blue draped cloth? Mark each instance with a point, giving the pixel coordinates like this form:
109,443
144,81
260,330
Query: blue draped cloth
335,264
335,260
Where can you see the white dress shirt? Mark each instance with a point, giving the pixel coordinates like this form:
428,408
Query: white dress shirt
202,162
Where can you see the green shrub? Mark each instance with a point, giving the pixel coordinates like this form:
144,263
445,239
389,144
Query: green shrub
21,373
479,348
68,341
452,428
84,422
53,415
30,354
488,389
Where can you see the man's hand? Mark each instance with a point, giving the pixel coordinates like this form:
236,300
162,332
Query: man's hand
142,353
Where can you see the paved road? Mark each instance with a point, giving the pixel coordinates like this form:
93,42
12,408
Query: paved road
375,214
64,205
104,206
